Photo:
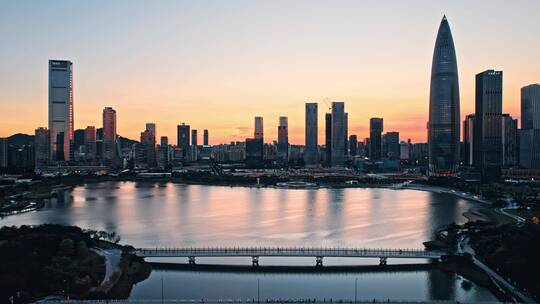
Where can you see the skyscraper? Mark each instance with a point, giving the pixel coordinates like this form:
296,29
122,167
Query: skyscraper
193,137
328,138
391,145
60,109
4,152
346,132
259,128
109,135
183,139
353,145
375,138
150,126
444,119
311,153
468,140
205,137
487,151
529,135
510,147
283,139
530,107
90,147
41,148
338,134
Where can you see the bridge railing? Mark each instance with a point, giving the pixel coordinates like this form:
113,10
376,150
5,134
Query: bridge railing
323,251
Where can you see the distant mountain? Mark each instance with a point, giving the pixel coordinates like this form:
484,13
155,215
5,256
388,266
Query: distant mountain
20,139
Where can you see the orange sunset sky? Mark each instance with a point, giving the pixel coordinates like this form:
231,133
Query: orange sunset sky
217,64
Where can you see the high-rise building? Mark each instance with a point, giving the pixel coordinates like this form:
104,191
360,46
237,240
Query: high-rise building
90,147
529,135
283,139
3,152
375,138
530,107
41,148
60,109
254,151
346,131
444,116
328,138
405,150
77,144
510,147
205,137
338,134
468,140
311,153
487,151
109,135
353,145
259,128
150,126
183,139
193,137
390,145
163,152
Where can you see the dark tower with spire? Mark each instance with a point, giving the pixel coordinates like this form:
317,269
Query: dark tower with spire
444,119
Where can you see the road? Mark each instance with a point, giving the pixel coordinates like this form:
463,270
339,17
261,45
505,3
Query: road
112,266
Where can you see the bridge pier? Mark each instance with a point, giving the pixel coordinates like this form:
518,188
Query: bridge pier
255,261
318,261
382,261
191,260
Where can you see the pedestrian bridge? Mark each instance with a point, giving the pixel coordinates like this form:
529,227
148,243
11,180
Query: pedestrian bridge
318,253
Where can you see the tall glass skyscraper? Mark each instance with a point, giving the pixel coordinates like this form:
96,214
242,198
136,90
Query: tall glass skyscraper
311,153
338,134
444,120
60,109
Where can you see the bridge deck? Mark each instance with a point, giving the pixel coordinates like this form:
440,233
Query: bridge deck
288,252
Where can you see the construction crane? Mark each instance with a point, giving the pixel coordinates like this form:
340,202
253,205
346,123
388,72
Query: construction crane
328,104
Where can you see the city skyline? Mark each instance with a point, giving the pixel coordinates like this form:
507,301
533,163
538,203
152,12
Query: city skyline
330,69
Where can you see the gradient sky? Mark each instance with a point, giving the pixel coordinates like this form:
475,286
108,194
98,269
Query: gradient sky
217,64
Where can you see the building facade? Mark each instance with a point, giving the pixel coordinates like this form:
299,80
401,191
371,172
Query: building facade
60,109
283,139
444,114
311,153
338,134
487,149
109,135
259,128
375,138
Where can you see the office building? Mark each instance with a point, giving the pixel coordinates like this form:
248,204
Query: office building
283,139
346,132
60,109
328,139
338,134
311,153
259,128
4,152
375,138
468,140
109,135
444,115
41,148
254,151
183,139
90,147
205,137
194,137
510,147
529,135
487,150
353,145
530,107
391,148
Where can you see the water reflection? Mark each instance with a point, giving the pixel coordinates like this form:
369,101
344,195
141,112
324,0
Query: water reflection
160,214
